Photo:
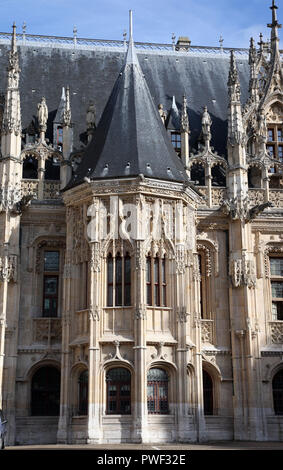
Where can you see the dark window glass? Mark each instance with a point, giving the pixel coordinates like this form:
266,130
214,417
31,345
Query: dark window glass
110,281
30,168
51,261
83,393
127,280
50,296
207,394
52,169
148,281
118,283
277,388
45,392
118,391
157,392
198,174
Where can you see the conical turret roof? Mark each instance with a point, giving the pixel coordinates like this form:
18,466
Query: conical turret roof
130,138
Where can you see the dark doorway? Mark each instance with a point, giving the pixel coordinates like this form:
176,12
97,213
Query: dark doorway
45,392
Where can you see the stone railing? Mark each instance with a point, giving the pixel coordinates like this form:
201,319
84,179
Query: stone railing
276,332
47,330
29,187
207,331
256,196
218,196
48,189
276,197
51,190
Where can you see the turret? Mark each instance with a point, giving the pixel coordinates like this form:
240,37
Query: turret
10,169
66,172
185,132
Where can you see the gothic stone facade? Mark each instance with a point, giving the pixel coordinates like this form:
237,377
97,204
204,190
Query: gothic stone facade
139,306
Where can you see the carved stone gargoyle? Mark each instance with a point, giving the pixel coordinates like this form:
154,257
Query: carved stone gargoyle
256,210
22,205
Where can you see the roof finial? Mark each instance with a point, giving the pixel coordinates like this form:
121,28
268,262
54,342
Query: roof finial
131,57
131,25
274,25
14,47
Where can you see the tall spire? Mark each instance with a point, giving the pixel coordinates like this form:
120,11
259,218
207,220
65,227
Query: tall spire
12,112
131,57
233,79
130,139
274,25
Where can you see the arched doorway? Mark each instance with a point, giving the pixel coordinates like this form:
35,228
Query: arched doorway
45,392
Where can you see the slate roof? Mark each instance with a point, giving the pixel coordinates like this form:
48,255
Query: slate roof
130,139
91,75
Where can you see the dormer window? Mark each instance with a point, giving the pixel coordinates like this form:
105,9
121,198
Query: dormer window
275,142
176,142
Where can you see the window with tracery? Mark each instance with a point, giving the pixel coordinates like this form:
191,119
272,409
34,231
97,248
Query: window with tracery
118,280
51,283
198,174
156,281
118,381
207,393
277,390
157,391
45,392
176,142
30,167
52,169
276,280
83,393
275,141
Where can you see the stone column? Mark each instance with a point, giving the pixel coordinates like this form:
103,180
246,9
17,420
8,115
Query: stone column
94,405
140,400
199,406
64,420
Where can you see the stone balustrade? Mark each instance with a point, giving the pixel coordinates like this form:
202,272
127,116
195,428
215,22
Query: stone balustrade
276,332
50,189
207,331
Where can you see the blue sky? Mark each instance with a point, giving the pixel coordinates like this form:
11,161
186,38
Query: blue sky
203,21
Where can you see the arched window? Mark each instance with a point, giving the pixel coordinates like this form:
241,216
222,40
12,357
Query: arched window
276,280
156,281
118,382
277,389
51,283
198,174
254,177
207,393
118,280
83,393
45,392
157,391
52,169
218,174
30,168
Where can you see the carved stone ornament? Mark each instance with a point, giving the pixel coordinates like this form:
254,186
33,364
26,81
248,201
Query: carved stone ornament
140,313
94,313
183,315
8,268
242,272
95,260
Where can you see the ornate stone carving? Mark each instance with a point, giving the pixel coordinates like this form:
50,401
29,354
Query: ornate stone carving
42,114
276,332
183,315
8,268
242,272
95,260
